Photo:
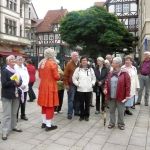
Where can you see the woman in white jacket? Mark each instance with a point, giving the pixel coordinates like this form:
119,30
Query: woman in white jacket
84,78
132,71
23,89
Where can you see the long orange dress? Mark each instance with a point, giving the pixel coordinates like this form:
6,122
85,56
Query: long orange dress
48,95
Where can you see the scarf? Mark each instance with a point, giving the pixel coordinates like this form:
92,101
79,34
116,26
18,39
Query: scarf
10,69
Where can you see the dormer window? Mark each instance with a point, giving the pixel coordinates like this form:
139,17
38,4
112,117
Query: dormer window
12,5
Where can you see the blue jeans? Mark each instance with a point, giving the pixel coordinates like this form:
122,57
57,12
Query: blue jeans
71,94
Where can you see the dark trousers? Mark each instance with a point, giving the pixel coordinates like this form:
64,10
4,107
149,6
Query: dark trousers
60,96
76,104
99,94
84,98
31,92
22,104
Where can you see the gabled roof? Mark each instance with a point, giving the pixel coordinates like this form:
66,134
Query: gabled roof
52,17
99,3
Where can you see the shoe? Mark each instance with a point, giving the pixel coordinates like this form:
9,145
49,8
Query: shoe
50,128
128,112
86,118
110,126
80,119
146,104
91,105
121,127
137,103
43,125
69,117
29,100
17,130
4,136
97,112
24,118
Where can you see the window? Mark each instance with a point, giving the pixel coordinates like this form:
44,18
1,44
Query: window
20,30
12,4
125,8
10,27
20,10
118,8
29,13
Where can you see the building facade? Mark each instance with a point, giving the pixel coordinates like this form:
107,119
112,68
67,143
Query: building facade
15,25
127,13
47,34
144,25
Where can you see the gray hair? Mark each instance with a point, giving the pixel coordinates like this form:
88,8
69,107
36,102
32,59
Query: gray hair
9,58
147,53
117,60
49,53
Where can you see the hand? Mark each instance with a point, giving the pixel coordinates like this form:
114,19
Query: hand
17,82
67,87
23,87
99,83
105,91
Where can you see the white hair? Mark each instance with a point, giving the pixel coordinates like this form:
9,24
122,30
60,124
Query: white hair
74,53
49,53
107,61
147,53
9,58
117,60
100,59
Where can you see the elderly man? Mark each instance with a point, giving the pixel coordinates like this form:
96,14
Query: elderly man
10,101
71,88
144,79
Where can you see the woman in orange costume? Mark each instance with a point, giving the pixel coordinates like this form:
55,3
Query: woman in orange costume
48,95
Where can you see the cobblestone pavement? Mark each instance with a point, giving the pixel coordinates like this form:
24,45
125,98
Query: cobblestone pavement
75,135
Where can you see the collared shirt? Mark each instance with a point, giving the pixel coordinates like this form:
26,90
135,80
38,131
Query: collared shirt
145,68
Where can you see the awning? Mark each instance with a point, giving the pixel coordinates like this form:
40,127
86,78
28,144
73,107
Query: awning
6,53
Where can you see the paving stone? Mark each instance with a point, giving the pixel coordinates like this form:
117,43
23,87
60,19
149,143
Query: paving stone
66,141
134,147
134,140
92,146
82,142
110,146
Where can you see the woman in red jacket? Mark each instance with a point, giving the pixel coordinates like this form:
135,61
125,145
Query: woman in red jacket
117,91
32,71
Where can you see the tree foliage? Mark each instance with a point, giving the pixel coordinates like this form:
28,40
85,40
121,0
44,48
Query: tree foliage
96,30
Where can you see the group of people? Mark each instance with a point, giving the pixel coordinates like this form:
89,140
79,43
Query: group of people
17,78
115,82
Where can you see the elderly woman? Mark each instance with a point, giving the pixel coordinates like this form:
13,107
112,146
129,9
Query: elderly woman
131,70
48,92
84,78
101,73
21,69
117,91
10,100
144,79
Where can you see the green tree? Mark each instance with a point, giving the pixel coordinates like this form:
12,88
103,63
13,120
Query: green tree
96,30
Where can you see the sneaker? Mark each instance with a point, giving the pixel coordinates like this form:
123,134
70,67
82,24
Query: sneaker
17,130
4,136
121,127
110,126
91,105
146,104
24,118
97,112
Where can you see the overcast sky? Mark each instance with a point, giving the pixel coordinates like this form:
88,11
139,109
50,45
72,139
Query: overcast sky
42,6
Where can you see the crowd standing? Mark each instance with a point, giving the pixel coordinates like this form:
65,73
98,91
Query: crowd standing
114,81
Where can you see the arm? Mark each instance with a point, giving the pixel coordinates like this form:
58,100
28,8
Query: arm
128,84
66,75
55,71
5,81
75,77
93,77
